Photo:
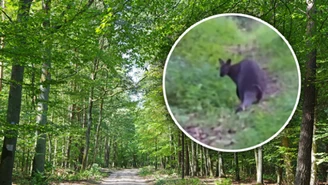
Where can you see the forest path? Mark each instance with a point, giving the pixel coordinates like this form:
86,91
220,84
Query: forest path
125,177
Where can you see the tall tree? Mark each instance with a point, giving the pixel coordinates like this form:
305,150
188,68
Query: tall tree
303,169
182,154
2,44
14,104
259,165
237,174
220,168
89,116
40,149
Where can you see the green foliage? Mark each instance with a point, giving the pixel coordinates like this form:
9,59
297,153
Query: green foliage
147,170
225,181
39,179
191,181
94,173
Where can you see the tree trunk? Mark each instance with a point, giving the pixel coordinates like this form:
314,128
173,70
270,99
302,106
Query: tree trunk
193,159
279,175
205,161
71,118
2,43
172,149
179,151
89,114
287,159
40,149
107,152
303,169
237,176
156,157
313,179
209,163
187,164
182,154
14,107
220,165
98,130
88,131
259,167
82,118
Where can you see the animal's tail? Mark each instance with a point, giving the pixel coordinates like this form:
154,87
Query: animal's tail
259,93
250,97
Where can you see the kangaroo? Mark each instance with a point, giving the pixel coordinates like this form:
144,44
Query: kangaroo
249,79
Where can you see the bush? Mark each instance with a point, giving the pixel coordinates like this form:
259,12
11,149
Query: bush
191,181
223,182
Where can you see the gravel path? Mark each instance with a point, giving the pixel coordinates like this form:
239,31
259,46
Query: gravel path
125,177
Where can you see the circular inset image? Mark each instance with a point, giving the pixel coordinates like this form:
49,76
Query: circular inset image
231,82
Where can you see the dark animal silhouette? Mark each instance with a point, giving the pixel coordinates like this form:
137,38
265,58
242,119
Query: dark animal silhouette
249,79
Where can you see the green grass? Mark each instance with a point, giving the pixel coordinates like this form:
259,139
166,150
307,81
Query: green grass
199,98
191,181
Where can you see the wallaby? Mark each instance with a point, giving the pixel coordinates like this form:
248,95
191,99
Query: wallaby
249,79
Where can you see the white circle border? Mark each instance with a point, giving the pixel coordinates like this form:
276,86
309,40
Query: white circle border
295,60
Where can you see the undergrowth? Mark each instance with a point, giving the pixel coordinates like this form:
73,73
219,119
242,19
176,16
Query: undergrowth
93,174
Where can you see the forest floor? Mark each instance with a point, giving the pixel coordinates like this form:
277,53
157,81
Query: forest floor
131,177
126,177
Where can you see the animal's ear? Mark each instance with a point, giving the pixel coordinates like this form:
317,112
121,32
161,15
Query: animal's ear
229,61
221,61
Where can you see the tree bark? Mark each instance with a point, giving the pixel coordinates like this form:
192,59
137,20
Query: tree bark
204,161
98,130
209,163
237,176
220,166
40,149
193,159
2,44
279,175
182,154
303,169
313,179
287,158
259,167
187,163
89,116
14,106
107,152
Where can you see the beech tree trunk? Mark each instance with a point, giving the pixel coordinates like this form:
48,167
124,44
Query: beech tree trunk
14,106
237,176
89,117
98,130
259,166
220,168
314,168
194,159
2,43
187,164
182,154
303,169
107,151
40,149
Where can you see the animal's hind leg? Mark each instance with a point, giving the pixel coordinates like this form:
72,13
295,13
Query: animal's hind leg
248,98
239,109
259,94
237,92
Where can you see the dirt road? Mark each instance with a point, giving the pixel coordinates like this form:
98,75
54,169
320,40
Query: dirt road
125,177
